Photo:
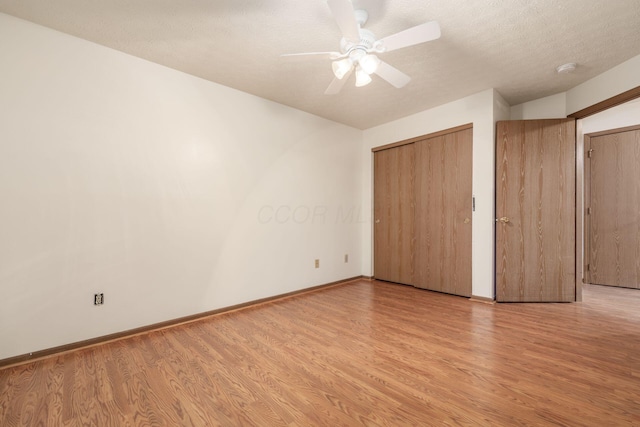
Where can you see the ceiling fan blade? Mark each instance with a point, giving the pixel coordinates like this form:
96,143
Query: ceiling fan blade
336,84
330,55
391,74
414,35
344,15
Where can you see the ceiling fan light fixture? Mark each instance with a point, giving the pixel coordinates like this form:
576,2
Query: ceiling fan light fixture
566,68
341,67
359,46
369,63
362,78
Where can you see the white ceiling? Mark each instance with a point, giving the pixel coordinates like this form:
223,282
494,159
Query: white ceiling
511,45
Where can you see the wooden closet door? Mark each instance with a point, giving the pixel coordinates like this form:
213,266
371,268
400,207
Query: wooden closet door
535,210
443,213
393,214
614,208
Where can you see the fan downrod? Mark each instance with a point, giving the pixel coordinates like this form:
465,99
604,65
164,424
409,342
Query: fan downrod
361,16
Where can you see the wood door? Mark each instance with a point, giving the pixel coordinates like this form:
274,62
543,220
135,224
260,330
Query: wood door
535,207
393,185
443,213
613,216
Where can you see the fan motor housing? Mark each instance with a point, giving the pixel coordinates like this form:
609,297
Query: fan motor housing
367,39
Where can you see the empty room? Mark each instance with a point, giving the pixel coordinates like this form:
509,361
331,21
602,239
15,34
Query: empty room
319,213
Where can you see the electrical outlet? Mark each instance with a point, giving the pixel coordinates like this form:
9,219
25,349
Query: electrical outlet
317,263
346,257
98,299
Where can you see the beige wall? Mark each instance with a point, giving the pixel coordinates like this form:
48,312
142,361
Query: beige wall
170,194
615,81
550,107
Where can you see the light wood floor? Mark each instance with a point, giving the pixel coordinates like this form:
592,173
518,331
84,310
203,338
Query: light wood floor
364,353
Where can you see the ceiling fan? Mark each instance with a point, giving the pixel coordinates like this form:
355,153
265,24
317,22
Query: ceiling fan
359,46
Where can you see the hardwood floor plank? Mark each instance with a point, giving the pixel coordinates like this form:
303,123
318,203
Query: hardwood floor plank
363,353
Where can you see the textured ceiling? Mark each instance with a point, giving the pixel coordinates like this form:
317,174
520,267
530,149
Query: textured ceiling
511,45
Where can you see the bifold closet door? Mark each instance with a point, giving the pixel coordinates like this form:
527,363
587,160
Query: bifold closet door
443,213
535,211
393,214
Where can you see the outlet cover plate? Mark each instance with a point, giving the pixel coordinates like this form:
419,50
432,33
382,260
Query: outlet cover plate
98,299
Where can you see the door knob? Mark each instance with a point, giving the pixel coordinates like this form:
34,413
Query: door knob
504,219
467,220
377,221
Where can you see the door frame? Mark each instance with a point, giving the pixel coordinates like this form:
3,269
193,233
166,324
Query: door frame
587,193
599,107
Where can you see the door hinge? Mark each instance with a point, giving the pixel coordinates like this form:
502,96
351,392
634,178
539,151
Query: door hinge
590,153
588,267
588,211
